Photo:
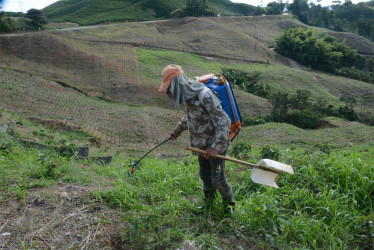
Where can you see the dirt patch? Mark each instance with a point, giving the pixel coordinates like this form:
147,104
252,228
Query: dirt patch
59,217
326,124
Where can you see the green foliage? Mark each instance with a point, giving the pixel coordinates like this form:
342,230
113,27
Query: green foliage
88,12
248,82
197,8
317,50
297,109
68,150
250,121
327,203
355,18
275,8
37,16
370,64
306,119
348,111
356,74
8,24
270,152
323,147
241,150
6,148
300,9
48,163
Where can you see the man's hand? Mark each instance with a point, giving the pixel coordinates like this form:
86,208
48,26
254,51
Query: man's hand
176,134
211,153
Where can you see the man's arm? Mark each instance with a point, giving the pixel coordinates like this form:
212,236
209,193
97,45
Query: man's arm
182,125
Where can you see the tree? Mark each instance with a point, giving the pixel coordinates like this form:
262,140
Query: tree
300,100
196,8
370,64
37,17
300,9
274,8
317,50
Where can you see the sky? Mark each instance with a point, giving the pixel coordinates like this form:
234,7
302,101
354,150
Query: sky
25,5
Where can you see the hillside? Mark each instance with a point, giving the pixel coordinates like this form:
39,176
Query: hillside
88,12
104,79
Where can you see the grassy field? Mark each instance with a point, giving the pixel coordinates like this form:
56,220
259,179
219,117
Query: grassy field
328,203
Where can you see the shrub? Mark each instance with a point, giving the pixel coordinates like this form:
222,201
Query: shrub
307,119
317,50
356,74
249,82
348,113
324,147
9,24
6,148
304,113
269,152
241,150
250,121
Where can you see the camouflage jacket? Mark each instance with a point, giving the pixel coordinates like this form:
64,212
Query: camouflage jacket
208,126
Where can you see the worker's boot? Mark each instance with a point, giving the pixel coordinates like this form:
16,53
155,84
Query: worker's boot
210,196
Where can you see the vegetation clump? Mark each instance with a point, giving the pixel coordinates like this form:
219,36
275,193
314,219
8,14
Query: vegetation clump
317,51
341,16
248,82
33,19
300,110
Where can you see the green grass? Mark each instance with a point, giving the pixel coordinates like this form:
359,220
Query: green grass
152,62
328,203
286,135
88,12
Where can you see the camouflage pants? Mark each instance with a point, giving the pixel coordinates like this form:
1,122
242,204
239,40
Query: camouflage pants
212,173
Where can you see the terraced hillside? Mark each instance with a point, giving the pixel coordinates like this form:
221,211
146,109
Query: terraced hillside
104,79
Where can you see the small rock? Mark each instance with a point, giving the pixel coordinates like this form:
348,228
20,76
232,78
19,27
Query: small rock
187,245
70,188
6,234
38,200
65,195
79,237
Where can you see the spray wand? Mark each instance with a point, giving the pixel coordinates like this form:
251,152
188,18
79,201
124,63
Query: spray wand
136,163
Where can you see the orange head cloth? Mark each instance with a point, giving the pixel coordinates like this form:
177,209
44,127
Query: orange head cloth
169,73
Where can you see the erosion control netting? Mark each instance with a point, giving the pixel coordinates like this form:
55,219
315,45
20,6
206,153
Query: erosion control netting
95,87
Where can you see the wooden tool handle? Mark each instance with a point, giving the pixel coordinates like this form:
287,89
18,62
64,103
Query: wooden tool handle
196,150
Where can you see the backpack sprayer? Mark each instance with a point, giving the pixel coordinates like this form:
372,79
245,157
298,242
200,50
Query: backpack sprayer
222,86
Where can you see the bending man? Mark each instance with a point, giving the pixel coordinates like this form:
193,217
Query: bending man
208,126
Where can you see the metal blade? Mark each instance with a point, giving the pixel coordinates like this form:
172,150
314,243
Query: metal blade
275,166
264,177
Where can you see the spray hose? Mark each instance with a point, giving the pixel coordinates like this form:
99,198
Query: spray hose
136,163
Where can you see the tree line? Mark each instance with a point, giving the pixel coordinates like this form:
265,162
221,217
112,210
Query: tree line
32,19
356,18
322,52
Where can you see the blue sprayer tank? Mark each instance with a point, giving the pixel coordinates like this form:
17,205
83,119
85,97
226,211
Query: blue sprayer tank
222,86
225,95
